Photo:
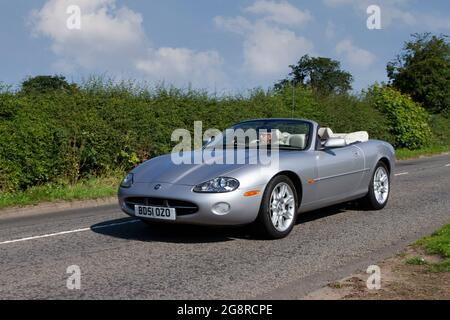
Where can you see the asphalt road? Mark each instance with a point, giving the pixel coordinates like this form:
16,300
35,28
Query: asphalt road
121,258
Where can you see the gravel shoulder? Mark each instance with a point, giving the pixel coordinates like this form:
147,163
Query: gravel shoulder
400,280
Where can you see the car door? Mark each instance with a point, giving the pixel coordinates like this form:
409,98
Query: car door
339,172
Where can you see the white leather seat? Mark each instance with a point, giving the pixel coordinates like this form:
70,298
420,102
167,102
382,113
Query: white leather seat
325,133
297,140
359,136
321,132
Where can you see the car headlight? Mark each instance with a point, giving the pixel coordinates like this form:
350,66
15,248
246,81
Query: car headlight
217,185
127,181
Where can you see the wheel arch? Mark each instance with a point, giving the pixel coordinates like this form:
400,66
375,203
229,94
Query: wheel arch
387,163
296,181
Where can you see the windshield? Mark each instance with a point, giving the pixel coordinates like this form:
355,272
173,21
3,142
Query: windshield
284,134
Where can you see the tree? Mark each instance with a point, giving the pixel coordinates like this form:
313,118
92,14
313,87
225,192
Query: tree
45,84
422,70
321,74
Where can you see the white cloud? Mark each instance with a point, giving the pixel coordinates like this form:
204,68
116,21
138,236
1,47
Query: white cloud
355,56
237,24
107,34
335,3
279,12
395,12
392,11
269,49
113,39
181,63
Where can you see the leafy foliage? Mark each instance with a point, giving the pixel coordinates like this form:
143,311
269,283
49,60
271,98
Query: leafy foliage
320,74
46,84
60,137
408,122
422,70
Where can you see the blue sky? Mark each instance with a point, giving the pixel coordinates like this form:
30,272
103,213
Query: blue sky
227,45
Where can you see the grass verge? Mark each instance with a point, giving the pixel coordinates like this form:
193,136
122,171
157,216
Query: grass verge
90,188
403,154
437,244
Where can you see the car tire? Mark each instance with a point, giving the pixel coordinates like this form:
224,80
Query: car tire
379,188
284,208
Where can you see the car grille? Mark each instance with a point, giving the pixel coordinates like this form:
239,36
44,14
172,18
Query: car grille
182,207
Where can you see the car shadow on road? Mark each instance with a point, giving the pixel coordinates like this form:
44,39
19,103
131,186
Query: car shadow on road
132,229
328,212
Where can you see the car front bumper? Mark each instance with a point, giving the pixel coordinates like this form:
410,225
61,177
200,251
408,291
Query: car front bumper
243,210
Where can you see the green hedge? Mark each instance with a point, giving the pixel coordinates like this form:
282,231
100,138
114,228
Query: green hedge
62,137
408,122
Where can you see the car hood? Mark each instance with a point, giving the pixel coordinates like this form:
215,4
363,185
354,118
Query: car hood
163,169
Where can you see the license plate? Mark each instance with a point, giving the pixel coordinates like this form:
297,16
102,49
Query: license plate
155,212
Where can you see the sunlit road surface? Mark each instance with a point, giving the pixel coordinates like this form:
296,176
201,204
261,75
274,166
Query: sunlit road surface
122,258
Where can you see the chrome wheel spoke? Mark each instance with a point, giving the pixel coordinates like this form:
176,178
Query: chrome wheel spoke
380,198
274,218
283,190
276,194
287,215
289,200
280,222
282,207
381,185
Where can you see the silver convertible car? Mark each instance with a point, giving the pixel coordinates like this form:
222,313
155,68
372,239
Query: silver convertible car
313,168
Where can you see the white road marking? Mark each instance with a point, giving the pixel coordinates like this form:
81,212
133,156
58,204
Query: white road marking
447,165
401,174
67,232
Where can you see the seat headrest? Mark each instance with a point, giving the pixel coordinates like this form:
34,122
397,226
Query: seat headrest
325,133
297,140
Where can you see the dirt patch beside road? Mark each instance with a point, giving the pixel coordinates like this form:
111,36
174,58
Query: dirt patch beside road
406,276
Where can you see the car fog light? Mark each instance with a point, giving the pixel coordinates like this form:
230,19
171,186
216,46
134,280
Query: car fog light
221,208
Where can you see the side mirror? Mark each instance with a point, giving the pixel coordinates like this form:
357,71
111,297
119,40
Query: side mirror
335,143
